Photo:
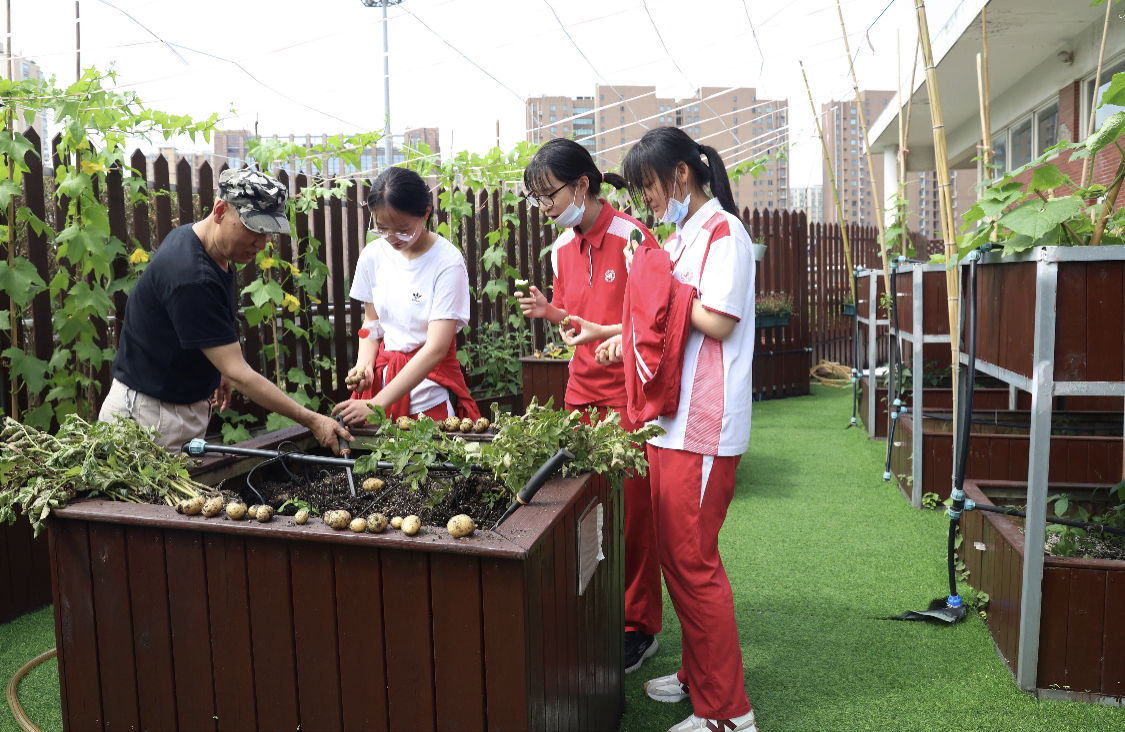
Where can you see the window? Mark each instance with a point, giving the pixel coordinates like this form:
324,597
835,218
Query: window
1000,152
333,166
366,162
1021,143
552,108
1047,127
1088,92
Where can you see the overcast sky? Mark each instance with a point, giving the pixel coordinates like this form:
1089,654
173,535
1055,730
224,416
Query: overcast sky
461,66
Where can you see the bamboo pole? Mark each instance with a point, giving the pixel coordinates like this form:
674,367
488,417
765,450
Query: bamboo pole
878,202
835,190
1088,163
906,128
901,156
986,100
13,320
952,283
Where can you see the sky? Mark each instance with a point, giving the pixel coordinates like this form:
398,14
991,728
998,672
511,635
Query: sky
286,67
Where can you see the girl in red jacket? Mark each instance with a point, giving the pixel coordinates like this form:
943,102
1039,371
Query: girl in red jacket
588,262
692,465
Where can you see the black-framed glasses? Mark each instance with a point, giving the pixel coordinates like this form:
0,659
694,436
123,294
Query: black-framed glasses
546,199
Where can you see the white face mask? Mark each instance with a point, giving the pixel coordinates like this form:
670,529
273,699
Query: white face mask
572,215
675,211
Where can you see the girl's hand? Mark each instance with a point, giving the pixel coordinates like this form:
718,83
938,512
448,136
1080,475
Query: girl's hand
575,331
220,398
609,352
533,304
353,412
360,378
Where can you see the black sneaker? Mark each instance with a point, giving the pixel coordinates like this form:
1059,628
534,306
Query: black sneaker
638,647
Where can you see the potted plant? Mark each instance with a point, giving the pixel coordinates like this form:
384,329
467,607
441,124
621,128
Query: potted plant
167,620
1080,631
772,309
492,363
847,306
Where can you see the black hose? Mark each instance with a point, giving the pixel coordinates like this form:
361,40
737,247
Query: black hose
1088,525
855,348
1055,428
894,390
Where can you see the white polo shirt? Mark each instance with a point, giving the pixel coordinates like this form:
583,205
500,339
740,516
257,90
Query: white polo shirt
408,294
712,252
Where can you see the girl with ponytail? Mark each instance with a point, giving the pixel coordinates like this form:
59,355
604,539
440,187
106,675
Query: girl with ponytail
590,274
691,369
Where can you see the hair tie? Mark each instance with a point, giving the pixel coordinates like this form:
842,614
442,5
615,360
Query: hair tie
700,149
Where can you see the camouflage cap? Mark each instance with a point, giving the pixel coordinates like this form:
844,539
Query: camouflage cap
258,198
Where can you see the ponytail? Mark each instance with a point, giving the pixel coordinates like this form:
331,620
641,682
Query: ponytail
658,153
567,161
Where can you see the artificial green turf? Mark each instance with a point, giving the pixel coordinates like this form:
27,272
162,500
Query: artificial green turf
20,641
818,548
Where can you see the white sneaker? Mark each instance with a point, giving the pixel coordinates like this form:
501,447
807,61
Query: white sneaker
745,723
667,689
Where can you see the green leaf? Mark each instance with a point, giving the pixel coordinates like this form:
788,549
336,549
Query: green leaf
21,282
1115,94
31,370
1036,218
1110,130
8,190
1047,178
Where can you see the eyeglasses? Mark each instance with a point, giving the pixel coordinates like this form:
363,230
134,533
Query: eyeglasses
544,200
387,233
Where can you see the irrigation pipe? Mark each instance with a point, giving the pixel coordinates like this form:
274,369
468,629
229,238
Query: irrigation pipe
13,700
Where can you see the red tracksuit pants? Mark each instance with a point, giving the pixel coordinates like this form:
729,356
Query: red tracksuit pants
690,496
643,600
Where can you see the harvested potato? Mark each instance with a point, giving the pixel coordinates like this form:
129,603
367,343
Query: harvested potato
358,525
252,512
565,322
396,522
265,513
403,423
236,510
411,524
301,516
466,425
452,424
376,523
373,484
481,424
338,519
213,506
460,525
190,506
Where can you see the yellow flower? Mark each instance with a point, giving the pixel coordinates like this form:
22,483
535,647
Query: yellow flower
294,271
314,300
290,303
268,263
138,256
89,167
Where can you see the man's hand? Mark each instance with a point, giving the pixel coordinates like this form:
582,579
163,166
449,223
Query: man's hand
328,432
533,304
220,398
609,352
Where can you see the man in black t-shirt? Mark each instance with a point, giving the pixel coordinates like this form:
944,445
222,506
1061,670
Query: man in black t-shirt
179,355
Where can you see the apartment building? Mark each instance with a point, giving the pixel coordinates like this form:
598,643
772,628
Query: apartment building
733,121
809,199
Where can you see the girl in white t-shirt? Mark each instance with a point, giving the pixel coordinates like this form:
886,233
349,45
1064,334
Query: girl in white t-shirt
692,465
415,293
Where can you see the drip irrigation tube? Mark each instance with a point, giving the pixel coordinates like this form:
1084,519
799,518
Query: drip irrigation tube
894,378
971,505
197,448
21,717
1081,427
856,351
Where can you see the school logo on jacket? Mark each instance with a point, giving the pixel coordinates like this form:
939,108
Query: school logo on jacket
416,297
610,275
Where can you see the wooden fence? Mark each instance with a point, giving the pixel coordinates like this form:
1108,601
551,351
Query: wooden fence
805,261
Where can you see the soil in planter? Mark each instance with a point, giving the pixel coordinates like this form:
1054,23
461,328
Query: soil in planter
441,496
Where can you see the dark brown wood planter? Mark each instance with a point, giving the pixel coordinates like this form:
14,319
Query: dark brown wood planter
170,622
545,378
1082,632
25,577
512,403
936,397
1086,456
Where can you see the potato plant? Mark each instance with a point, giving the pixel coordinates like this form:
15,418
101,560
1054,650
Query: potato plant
118,460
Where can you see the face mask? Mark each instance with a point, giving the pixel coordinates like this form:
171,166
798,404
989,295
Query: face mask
676,211
572,216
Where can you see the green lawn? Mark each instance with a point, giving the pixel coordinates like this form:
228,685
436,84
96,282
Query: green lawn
818,548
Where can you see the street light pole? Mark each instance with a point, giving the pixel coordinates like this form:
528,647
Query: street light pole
388,147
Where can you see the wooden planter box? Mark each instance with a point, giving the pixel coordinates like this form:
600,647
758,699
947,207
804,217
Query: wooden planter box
1075,458
166,621
545,378
1081,633
25,577
1089,317
933,398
